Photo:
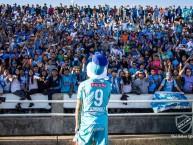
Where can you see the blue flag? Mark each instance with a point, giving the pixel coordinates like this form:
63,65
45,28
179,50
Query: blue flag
187,13
162,95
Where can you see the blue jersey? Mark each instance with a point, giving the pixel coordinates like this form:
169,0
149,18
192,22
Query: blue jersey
66,82
168,85
154,85
95,94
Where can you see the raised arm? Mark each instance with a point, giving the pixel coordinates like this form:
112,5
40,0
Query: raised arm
188,59
165,66
181,72
180,67
60,73
71,88
84,67
170,67
11,78
146,75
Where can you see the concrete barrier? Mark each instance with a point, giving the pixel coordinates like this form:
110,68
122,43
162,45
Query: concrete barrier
14,126
26,140
63,96
37,96
113,140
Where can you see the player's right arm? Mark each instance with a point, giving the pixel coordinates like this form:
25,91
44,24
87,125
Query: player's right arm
79,106
77,114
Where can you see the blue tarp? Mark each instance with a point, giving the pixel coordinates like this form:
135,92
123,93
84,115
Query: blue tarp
159,107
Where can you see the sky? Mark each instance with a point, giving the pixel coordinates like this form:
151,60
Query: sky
118,3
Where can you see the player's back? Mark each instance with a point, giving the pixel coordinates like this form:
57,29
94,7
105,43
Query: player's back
95,94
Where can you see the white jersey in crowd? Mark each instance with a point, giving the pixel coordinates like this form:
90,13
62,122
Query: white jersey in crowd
73,34
35,83
190,44
124,25
115,51
126,88
15,85
188,47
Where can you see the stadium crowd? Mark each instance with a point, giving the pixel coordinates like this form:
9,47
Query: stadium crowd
46,49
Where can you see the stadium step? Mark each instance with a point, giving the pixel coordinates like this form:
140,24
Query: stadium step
155,139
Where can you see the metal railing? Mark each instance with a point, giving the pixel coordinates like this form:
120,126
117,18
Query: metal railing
110,101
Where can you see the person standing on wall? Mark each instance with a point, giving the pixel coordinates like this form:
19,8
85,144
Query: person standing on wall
92,99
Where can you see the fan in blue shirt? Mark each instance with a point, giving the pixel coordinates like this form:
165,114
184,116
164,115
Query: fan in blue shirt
66,82
154,81
168,84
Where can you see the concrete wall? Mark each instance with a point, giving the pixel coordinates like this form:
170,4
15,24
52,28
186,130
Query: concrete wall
65,125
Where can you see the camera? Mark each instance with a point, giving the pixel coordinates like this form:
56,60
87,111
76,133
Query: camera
2,99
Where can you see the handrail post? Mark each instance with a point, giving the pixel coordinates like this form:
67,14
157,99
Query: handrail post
192,117
57,125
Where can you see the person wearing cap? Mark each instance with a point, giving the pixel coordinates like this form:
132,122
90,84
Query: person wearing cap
142,81
93,96
169,83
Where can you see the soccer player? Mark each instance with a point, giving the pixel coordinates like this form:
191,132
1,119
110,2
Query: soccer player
92,99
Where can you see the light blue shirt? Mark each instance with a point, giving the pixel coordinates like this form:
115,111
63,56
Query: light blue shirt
159,34
154,85
179,28
66,82
156,11
168,85
175,63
